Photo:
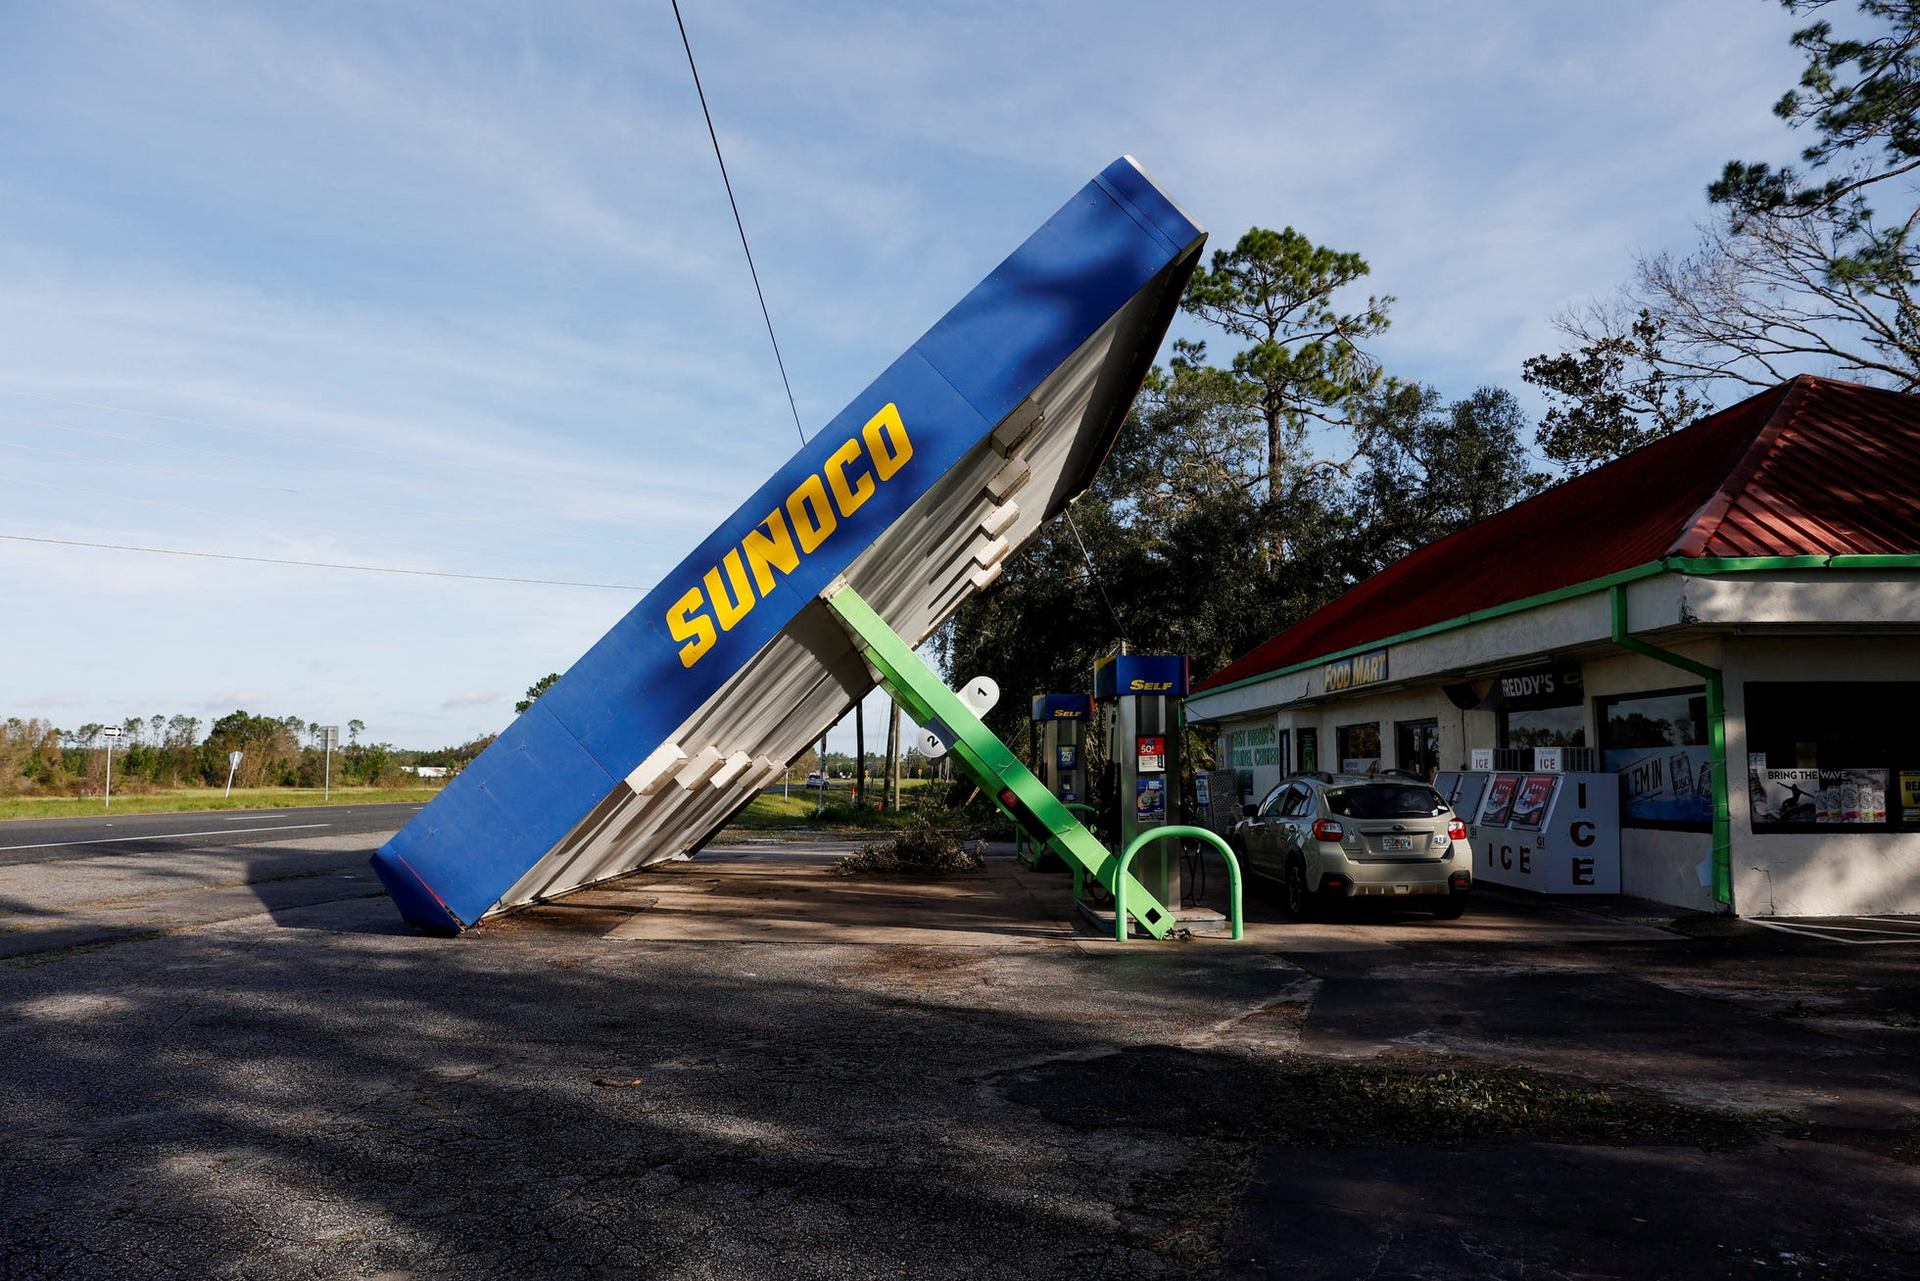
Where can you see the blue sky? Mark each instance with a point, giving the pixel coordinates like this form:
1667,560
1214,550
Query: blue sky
454,287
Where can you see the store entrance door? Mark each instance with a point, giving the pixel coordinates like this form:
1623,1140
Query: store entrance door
1417,747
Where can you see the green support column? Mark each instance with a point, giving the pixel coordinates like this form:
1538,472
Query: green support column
926,697
1722,851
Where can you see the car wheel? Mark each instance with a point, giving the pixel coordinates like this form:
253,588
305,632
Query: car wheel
1451,907
1299,901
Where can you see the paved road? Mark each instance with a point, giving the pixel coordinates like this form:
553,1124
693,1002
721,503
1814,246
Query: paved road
77,882
27,840
717,1069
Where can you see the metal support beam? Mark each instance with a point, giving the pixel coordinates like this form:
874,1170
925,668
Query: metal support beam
980,752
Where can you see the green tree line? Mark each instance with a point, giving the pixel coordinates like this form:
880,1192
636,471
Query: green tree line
37,758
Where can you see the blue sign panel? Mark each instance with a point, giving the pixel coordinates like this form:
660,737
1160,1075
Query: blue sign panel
1137,674
1061,707
747,581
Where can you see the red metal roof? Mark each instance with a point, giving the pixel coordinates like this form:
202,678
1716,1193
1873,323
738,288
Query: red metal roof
1812,467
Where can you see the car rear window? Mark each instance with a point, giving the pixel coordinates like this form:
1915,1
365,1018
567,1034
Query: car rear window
1386,800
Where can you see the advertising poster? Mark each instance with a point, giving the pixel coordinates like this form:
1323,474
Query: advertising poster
1067,755
1150,800
1823,797
1854,795
1202,793
1785,795
1152,753
1500,799
1910,795
1663,784
1530,802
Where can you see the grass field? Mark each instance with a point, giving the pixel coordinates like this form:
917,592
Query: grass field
766,814
187,799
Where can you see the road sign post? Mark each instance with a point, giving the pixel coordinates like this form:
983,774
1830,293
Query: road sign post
109,734
233,764
329,738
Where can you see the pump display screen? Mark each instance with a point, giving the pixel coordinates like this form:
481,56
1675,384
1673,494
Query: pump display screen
1152,753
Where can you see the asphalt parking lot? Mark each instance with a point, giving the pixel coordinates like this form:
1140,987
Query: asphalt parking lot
233,1061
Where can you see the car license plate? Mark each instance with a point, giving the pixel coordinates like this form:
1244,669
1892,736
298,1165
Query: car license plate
1396,842
1403,889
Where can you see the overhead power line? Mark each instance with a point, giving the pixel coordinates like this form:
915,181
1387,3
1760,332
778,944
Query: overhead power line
1094,574
316,564
728,183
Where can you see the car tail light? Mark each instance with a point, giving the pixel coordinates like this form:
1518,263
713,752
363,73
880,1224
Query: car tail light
1456,830
1325,829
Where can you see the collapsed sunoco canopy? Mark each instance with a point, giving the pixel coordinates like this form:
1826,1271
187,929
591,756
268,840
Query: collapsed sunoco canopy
916,492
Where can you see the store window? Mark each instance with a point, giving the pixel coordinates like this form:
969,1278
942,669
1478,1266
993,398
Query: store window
1539,706
1657,743
1825,754
1309,749
1544,727
1358,747
1417,748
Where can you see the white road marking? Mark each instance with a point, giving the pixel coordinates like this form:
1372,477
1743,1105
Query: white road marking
1818,932
166,836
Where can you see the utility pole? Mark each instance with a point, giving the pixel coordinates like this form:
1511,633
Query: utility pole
893,757
859,754
820,806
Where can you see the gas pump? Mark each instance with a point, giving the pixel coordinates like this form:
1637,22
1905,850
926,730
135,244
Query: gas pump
1139,696
1059,724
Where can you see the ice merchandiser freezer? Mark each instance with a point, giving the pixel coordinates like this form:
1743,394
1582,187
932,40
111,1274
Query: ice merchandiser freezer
1552,833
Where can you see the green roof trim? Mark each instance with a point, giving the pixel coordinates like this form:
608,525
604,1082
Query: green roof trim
1699,566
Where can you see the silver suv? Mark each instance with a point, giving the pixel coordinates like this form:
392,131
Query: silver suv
1324,837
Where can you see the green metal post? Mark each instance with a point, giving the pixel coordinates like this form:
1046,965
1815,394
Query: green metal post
1079,876
981,753
1716,738
1145,839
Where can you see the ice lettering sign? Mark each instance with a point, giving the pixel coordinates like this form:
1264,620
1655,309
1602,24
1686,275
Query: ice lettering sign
1551,833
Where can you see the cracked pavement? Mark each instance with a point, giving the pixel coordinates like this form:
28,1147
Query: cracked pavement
740,1065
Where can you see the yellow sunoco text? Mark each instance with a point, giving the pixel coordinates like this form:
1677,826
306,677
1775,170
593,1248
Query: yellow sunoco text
797,528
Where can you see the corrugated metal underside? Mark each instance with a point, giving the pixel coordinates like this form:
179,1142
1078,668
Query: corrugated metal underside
950,544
